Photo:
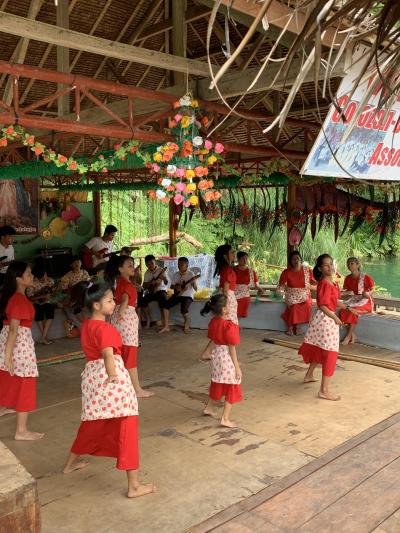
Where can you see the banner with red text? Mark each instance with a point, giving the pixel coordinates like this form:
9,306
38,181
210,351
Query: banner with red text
371,151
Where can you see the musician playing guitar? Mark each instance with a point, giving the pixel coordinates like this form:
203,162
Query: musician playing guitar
155,284
184,285
98,249
40,293
6,249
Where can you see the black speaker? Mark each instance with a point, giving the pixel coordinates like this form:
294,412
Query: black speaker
57,261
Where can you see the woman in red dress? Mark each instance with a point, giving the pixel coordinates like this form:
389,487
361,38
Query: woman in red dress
126,320
246,279
296,281
321,342
226,375
109,426
18,368
359,290
224,257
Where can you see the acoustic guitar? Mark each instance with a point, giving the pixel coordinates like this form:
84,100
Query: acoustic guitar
184,284
151,288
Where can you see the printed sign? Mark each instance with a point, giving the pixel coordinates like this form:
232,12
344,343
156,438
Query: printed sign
372,150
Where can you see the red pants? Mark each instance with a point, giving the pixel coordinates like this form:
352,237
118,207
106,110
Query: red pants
315,354
243,307
112,437
17,393
129,355
231,392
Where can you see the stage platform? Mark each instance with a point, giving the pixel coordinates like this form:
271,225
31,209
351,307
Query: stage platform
199,467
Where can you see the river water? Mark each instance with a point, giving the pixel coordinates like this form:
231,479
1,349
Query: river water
386,273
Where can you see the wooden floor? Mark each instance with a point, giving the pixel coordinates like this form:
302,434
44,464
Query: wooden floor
353,488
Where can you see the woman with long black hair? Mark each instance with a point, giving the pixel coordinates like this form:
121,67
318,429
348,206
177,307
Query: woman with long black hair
18,368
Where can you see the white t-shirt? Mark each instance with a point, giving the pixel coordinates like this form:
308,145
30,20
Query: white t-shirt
9,252
179,278
97,244
149,276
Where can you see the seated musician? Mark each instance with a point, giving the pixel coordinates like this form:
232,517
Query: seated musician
95,253
155,285
72,278
6,249
40,294
184,285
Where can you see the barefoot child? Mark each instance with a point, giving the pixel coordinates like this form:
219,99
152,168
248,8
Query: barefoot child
224,257
109,426
125,319
18,368
226,375
321,342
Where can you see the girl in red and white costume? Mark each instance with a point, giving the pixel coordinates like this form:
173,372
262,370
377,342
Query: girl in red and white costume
296,281
246,278
126,320
321,342
226,375
109,426
359,288
224,257
18,368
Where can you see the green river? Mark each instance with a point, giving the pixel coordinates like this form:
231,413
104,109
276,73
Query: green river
386,273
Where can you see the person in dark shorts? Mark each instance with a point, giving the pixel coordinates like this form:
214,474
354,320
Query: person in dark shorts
184,284
155,285
40,294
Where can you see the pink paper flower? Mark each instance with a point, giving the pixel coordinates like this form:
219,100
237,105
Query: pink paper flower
180,186
178,199
155,167
180,172
177,117
186,204
219,148
208,144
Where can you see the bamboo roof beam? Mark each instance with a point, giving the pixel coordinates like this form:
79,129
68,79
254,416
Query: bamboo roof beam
40,31
19,53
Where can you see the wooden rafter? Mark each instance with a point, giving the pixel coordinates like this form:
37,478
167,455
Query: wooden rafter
15,25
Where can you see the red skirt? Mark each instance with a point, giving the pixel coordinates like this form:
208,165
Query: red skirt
298,313
315,354
129,355
231,392
17,392
348,318
243,307
111,437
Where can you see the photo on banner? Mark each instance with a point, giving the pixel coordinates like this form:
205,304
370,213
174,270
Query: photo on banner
372,150
19,205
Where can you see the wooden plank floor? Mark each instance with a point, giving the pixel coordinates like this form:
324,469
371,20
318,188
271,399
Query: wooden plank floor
354,488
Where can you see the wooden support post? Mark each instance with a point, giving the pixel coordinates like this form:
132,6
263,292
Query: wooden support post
291,206
179,36
173,228
97,213
63,55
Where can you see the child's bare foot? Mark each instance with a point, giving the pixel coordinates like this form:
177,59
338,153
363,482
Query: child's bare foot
6,411
289,332
141,490
353,339
309,379
75,466
164,330
28,435
346,340
328,396
186,329
143,393
210,412
227,423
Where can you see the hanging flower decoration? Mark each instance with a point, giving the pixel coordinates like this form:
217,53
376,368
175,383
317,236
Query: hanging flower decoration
184,167
101,164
